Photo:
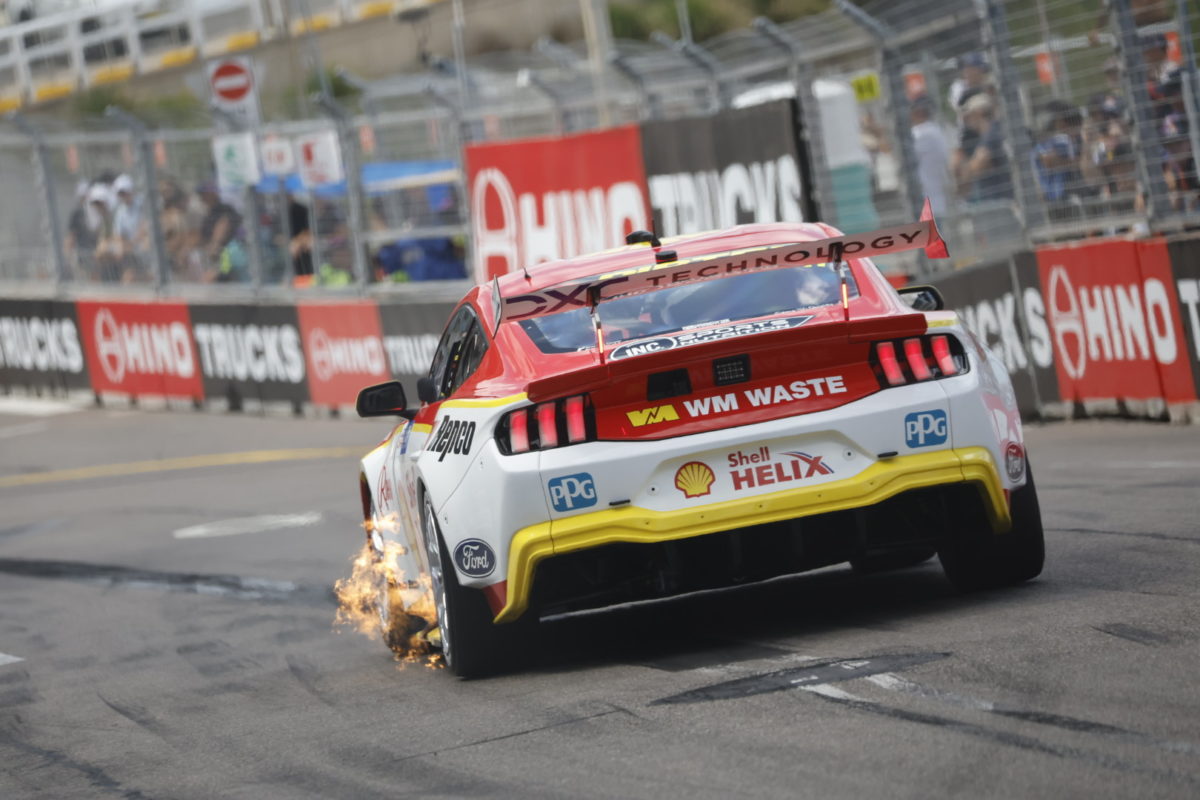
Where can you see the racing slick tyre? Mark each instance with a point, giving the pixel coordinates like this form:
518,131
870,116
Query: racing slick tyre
472,644
983,560
395,624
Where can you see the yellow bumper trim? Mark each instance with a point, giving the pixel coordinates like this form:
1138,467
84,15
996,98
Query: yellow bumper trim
878,482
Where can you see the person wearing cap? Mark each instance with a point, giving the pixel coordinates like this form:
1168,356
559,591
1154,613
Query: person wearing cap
105,261
129,234
983,174
933,154
973,74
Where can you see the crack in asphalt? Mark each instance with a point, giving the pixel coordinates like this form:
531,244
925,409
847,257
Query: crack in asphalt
232,586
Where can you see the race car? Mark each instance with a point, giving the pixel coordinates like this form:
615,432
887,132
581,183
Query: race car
673,416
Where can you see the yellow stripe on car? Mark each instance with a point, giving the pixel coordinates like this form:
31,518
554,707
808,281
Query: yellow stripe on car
485,402
632,524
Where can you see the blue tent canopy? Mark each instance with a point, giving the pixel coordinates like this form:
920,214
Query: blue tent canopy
380,177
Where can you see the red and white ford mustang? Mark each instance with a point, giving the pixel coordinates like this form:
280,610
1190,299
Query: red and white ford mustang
666,417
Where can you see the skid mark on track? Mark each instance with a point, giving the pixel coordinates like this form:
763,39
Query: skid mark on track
514,734
1074,724
1166,537
233,586
96,777
824,672
1132,633
305,674
135,714
834,695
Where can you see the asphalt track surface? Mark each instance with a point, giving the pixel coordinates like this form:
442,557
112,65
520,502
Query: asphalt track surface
152,666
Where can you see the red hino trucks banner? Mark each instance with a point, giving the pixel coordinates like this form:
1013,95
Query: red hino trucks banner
535,200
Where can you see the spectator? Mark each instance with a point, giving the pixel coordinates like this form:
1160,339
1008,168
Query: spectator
1161,73
130,240
179,238
982,172
933,154
1056,160
1179,166
973,75
105,260
83,229
300,245
224,258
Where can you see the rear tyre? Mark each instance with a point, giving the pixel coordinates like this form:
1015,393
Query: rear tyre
472,644
980,559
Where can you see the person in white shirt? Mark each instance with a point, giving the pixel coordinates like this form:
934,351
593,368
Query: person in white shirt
933,154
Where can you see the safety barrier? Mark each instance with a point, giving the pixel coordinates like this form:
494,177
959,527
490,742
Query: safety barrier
1077,339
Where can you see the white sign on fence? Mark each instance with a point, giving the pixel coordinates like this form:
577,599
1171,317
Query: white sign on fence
320,158
236,158
276,154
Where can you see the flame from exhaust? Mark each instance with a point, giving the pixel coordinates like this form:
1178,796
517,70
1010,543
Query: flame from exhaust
412,633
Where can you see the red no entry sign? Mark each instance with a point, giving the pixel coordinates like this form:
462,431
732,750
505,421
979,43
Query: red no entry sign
231,81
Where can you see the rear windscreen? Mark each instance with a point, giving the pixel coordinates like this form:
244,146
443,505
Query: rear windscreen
691,306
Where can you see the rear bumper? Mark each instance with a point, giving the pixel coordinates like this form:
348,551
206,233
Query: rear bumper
631,524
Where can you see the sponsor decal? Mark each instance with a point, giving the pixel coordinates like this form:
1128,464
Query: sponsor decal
343,345
41,344
1115,322
571,492
1014,461
250,352
688,338
387,497
760,191
926,428
575,294
791,466
344,356
453,436
140,348
543,199
765,396
652,416
474,558
410,354
694,479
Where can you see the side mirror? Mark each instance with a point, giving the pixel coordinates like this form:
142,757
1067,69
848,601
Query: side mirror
382,400
426,390
923,298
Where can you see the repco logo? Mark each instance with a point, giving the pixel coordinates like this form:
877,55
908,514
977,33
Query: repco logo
453,436
141,348
332,357
1109,323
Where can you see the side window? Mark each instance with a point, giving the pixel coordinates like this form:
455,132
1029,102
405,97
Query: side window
474,346
448,349
458,353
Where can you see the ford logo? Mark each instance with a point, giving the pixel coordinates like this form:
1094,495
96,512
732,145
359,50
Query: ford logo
474,558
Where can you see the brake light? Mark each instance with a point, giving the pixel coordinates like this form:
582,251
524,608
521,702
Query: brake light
518,431
576,421
941,353
886,353
948,358
916,360
554,423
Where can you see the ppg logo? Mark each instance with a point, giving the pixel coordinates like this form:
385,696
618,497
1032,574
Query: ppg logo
572,491
925,428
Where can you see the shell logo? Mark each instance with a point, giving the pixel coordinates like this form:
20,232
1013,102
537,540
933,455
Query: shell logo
694,479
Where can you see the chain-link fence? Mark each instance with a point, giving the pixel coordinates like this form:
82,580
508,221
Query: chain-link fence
1022,120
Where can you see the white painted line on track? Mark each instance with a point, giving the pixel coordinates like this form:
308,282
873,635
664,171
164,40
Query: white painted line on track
242,525
34,407
825,690
5,659
892,681
20,430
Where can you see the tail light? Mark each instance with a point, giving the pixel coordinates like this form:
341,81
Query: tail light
554,423
925,358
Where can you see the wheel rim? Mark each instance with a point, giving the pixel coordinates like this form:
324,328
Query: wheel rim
437,578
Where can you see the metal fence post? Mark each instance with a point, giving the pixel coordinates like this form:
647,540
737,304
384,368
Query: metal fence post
892,67
53,222
702,59
1016,132
145,155
808,113
531,78
1146,140
252,217
649,99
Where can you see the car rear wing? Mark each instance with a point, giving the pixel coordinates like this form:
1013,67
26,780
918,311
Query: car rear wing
584,292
